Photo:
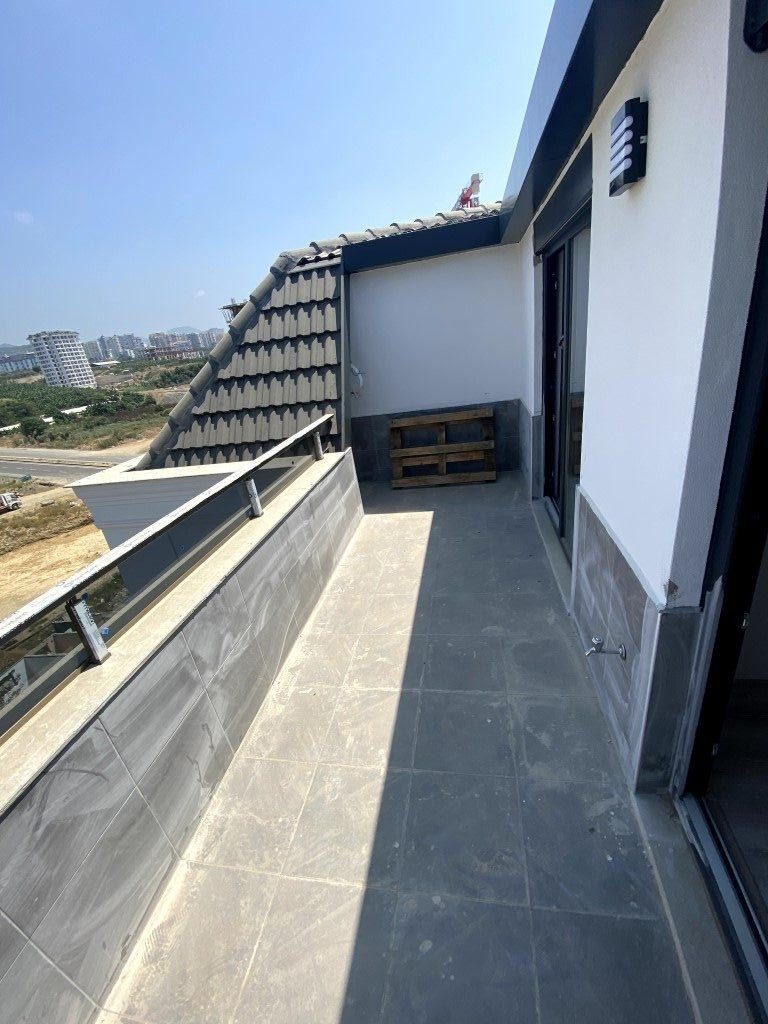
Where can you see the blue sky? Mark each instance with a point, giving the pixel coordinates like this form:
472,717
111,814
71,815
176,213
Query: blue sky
157,156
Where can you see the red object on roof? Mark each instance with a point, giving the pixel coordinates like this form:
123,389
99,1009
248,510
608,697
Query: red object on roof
470,194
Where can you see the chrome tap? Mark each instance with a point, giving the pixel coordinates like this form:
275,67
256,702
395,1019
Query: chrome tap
598,647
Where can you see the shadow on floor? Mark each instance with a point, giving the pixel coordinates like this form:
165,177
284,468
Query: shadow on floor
467,781
427,822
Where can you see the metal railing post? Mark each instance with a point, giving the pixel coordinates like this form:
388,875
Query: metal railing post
82,620
253,497
318,444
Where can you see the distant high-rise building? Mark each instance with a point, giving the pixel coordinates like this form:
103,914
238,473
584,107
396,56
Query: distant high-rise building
62,359
210,337
24,362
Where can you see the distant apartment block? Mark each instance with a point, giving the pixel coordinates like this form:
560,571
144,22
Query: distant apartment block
62,359
116,346
210,337
21,363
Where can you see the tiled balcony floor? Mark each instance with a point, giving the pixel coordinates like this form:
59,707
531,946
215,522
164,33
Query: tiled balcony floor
426,822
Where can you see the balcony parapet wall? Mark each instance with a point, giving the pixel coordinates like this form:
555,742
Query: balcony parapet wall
103,787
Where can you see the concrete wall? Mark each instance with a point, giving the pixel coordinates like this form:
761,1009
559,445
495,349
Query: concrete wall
439,333
661,295
87,848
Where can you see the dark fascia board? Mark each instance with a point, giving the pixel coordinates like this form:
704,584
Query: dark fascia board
423,244
588,43
567,201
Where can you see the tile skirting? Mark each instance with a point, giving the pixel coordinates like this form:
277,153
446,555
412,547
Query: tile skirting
644,697
370,437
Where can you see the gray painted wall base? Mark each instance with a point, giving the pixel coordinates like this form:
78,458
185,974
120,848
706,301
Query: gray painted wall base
370,437
87,850
645,696
531,450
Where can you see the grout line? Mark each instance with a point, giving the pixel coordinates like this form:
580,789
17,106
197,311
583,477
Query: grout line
175,852
690,988
513,741
54,965
398,890
289,844
22,933
401,859
205,691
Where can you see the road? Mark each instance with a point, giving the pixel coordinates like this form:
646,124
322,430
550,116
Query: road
63,464
58,472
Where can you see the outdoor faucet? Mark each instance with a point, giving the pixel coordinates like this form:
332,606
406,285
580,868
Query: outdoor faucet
598,647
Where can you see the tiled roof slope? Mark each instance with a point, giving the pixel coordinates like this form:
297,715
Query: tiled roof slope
278,367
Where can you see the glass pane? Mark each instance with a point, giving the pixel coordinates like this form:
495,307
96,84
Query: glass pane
35,661
576,376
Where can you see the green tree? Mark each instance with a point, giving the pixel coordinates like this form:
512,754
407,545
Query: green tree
32,426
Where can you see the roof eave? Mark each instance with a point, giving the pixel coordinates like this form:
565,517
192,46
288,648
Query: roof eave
587,45
425,243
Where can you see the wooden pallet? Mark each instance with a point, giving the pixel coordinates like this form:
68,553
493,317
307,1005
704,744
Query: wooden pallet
442,452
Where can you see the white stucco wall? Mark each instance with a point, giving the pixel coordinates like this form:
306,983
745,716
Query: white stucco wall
651,294
531,357
439,332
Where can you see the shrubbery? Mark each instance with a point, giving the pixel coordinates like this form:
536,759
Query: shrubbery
111,416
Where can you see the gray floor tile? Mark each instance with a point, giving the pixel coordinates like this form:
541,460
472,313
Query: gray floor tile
607,971
351,827
293,726
341,611
373,728
513,616
191,960
464,837
34,992
253,815
466,733
403,612
549,666
320,658
322,958
564,738
394,662
584,849
464,663
460,962
532,575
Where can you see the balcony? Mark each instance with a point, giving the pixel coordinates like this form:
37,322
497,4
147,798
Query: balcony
419,817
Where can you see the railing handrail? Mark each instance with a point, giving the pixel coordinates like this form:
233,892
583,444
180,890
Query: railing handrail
69,588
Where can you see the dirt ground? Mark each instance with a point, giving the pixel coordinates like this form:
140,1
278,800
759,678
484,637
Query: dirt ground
29,570
33,567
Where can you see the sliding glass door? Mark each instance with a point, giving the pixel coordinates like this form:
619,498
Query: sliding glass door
566,293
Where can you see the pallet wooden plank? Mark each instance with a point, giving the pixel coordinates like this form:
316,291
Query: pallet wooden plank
443,417
437,460
440,449
481,476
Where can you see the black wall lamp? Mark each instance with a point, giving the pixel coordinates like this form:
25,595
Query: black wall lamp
629,141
